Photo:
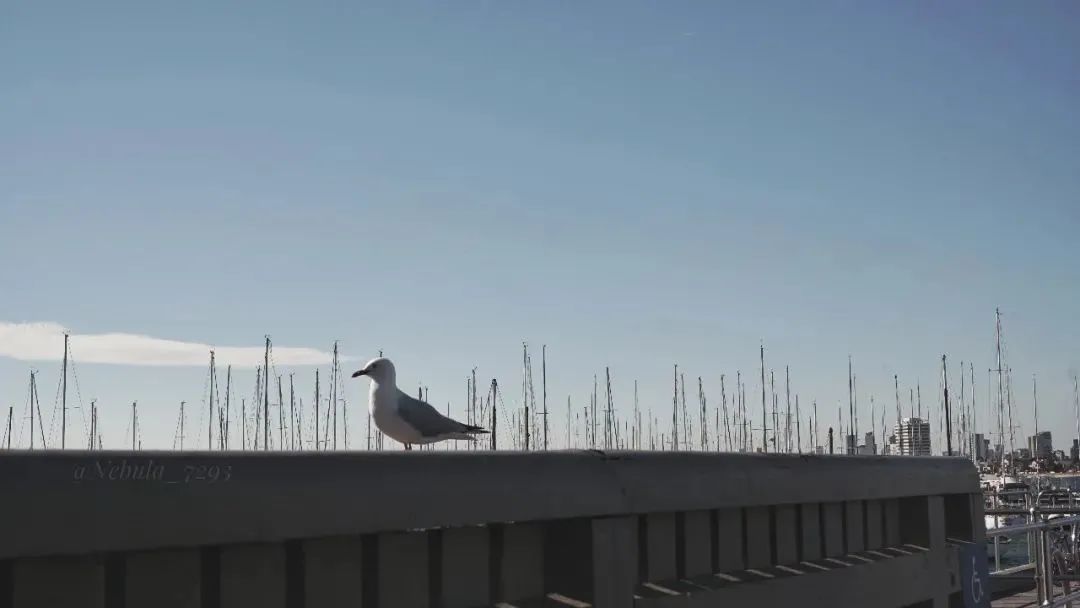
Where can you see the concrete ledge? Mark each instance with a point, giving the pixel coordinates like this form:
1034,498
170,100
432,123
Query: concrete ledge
76,502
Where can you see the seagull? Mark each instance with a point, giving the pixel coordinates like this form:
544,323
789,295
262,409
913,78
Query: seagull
403,418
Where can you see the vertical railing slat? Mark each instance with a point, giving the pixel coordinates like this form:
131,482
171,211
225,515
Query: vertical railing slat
59,582
333,572
465,567
403,569
163,579
253,575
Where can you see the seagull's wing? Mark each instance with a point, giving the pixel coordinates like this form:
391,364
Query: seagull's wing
426,419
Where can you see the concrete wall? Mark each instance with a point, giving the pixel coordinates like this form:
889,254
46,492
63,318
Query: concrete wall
305,530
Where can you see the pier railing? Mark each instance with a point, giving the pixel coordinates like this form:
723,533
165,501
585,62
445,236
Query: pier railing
1053,549
649,529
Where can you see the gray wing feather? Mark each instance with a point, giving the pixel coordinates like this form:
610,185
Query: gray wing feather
426,419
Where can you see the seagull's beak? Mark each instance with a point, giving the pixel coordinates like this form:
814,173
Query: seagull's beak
359,373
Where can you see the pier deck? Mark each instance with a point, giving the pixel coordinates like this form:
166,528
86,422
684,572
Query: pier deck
1022,599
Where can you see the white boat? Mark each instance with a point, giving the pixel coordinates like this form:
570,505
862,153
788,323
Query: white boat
995,522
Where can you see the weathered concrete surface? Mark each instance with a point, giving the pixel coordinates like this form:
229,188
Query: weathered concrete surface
334,572
69,582
169,499
461,529
253,575
164,579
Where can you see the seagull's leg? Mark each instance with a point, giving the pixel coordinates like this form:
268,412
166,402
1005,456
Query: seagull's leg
408,447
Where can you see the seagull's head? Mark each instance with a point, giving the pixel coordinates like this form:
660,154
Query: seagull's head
381,371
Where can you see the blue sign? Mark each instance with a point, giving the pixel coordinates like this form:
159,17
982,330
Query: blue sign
974,575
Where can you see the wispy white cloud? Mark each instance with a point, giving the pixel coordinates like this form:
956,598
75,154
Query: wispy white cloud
44,341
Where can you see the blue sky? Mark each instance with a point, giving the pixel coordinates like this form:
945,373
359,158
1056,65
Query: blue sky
633,184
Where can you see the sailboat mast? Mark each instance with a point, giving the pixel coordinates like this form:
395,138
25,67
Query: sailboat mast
543,384
475,417
316,409
974,416
11,410
704,420
266,395
494,412
764,413
851,408
965,442
948,417
228,411
1001,387
345,411
32,386
741,408
63,414
855,420
594,419
787,423
281,415
727,427
1035,403
210,418
675,412
873,415
687,429
292,414
775,416
798,425
333,391
134,422
568,422
609,431
243,425
181,426
637,420
256,404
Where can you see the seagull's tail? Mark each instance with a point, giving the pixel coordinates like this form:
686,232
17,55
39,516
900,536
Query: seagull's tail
479,430
460,436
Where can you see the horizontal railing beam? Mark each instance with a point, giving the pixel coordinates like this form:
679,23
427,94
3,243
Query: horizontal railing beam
73,502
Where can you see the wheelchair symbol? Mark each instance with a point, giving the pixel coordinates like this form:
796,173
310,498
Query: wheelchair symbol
976,583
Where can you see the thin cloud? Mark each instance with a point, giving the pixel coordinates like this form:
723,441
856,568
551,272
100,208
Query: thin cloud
44,341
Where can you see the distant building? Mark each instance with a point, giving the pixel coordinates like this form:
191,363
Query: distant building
914,437
980,447
1040,446
892,446
1075,452
870,446
1023,454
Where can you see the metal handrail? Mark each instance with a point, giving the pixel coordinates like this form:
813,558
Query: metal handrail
1006,493
1032,527
1042,553
1063,600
